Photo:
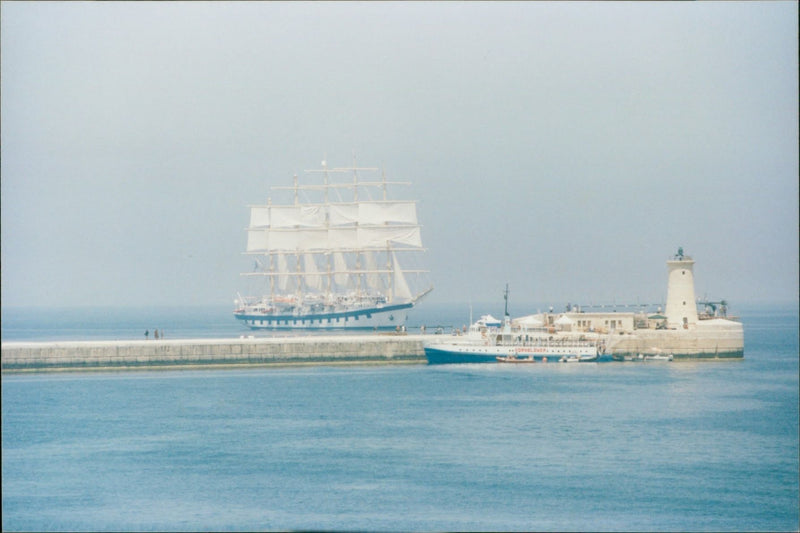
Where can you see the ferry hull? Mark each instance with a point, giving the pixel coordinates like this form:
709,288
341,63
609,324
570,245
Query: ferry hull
438,356
387,317
464,354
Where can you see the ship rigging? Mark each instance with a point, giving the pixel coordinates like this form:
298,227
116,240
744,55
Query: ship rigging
330,262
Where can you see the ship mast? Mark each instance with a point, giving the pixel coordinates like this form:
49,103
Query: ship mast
389,257
327,227
359,277
271,262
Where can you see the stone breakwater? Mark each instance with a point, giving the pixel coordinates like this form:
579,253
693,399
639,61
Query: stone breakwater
110,355
711,339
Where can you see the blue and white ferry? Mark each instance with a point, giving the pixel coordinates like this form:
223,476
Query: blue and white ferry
489,341
482,344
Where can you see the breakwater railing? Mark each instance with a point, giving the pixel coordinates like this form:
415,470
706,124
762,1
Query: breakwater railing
88,355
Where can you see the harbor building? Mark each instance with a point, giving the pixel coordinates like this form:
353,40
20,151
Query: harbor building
680,330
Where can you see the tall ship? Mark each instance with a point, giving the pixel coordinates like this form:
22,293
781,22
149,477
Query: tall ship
339,255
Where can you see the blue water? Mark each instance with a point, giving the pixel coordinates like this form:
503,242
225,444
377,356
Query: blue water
615,446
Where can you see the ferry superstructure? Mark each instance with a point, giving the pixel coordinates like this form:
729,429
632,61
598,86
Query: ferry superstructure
334,257
489,341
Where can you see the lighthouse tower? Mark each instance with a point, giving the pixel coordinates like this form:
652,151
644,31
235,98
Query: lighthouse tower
681,309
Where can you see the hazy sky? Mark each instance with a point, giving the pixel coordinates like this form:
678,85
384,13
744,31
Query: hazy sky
565,148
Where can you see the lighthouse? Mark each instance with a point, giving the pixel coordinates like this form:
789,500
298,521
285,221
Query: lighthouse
681,309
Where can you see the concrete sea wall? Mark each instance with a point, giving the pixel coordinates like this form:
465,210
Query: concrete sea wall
87,355
692,344
725,341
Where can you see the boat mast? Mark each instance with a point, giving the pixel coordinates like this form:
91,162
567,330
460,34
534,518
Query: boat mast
355,179
506,317
389,262
271,258
327,227
326,187
300,280
391,274
325,178
360,276
383,175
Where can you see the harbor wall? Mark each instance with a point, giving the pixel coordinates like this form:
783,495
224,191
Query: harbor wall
726,342
720,341
88,355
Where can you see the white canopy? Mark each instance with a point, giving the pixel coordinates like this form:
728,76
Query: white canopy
332,239
564,320
489,320
530,321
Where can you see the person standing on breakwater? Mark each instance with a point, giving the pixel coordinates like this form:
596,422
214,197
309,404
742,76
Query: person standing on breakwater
146,334
155,334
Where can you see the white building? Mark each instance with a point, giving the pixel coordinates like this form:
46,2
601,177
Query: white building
681,308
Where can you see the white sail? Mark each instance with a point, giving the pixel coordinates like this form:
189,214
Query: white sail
312,277
283,269
373,279
298,240
383,212
343,214
401,290
340,268
313,239
333,239
380,236
257,240
343,238
259,216
290,216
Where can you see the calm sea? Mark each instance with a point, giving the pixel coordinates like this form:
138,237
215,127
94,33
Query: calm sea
614,446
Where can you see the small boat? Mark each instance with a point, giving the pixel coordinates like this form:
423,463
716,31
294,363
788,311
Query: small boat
649,357
515,359
578,359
